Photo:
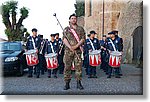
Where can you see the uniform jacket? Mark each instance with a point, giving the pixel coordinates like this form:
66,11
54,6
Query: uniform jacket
49,48
117,44
88,45
29,44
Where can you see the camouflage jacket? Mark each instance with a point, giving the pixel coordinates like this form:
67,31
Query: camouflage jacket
72,40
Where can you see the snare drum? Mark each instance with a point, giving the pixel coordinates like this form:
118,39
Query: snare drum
115,59
95,58
51,61
31,57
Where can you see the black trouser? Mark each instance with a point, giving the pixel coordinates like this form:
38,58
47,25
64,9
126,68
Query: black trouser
52,71
103,60
111,69
42,62
92,70
60,63
36,68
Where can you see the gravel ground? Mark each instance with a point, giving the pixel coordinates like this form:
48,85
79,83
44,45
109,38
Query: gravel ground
130,83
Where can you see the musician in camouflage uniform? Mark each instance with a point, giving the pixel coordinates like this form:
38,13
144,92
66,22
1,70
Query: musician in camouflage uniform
73,51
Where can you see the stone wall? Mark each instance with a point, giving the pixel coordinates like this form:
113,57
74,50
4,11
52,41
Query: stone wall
130,18
94,15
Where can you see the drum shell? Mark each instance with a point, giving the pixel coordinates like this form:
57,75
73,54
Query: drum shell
94,58
51,62
115,60
31,58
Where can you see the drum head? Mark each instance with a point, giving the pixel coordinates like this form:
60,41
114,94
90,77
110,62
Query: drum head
95,52
51,55
116,53
30,52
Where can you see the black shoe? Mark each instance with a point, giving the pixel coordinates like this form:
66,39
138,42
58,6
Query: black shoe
49,76
89,76
79,85
120,74
109,76
30,76
94,76
37,76
117,77
55,76
67,86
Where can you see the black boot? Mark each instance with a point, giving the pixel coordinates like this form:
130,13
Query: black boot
79,85
67,86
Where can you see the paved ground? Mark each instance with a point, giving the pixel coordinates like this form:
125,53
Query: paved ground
130,83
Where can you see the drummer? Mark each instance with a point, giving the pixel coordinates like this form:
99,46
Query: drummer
110,48
51,49
91,69
120,47
33,42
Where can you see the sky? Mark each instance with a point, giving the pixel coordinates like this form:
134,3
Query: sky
41,15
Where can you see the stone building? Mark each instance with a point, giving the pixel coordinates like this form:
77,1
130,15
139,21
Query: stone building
124,15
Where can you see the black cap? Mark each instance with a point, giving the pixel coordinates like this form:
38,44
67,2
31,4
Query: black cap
93,32
52,35
72,15
111,33
57,34
104,35
115,31
41,36
34,30
88,35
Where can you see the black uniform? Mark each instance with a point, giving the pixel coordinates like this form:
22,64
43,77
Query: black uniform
60,51
30,46
104,63
42,60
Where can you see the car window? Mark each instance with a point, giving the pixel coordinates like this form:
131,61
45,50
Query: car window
10,46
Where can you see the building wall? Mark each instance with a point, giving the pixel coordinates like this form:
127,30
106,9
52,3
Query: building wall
94,15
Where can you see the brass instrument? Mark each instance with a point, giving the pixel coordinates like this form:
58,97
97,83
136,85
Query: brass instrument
42,47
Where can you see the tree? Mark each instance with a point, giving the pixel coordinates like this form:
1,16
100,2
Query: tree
13,27
80,7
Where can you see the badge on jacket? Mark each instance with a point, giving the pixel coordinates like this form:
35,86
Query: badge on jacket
95,41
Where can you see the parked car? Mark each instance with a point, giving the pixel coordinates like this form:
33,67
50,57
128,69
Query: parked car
11,54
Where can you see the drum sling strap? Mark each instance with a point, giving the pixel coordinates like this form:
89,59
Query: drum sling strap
33,43
91,44
52,47
112,45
